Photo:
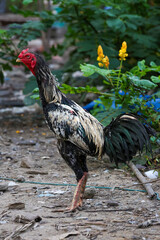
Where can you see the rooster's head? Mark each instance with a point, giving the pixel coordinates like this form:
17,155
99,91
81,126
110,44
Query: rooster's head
28,58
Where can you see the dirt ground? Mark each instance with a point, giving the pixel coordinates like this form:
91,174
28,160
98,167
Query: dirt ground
28,152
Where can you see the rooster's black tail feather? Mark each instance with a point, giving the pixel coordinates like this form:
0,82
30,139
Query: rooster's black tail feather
125,136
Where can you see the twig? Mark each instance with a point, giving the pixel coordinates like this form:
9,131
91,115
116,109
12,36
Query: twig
59,210
84,223
90,223
23,228
54,206
51,216
142,179
20,230
148,223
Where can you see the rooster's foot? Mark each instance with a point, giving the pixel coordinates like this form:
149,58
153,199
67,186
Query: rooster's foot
78,194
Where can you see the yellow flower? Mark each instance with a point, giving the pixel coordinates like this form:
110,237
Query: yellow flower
124,45
100,51
102,59
105,61
122,51
99,59
100,64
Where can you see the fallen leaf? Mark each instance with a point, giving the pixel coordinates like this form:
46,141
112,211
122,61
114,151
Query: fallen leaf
36,172
18,205
64,235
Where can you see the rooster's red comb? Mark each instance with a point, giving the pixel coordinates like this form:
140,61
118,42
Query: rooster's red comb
24,51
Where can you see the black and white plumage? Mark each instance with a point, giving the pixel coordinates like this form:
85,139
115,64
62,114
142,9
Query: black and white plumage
80,134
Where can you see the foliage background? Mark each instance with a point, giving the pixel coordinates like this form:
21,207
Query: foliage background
88,24
109,23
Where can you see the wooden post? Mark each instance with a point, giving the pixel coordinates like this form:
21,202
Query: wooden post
142,179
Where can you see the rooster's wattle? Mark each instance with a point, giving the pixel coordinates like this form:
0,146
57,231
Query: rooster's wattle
80,134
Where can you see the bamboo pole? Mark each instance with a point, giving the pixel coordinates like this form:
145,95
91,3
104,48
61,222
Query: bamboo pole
142,179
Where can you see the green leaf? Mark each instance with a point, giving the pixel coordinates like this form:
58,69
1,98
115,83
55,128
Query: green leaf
107,102
74,90
146,84
25,2
133,17
35,96
36,90
152,64
142,83
36,25
89,69
116,24
141,65
155,79
131,25
2,31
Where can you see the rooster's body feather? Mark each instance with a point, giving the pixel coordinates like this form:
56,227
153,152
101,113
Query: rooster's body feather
80,134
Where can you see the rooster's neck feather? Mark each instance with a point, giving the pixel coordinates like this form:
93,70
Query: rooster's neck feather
47,83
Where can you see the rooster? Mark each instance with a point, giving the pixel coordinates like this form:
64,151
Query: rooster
78,133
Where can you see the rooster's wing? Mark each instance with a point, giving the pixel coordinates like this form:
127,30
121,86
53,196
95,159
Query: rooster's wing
76,126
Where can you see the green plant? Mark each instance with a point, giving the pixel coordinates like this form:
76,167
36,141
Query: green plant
23,33
129,89
91,22
88,23
7,51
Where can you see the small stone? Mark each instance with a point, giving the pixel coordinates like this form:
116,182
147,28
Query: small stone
3,187
25,164
20,179
26,142
89,193
112,204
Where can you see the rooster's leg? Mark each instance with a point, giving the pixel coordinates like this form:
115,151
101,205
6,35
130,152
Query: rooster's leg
76,159
79,193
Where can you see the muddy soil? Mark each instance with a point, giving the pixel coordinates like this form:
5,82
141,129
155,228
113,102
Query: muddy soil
28,152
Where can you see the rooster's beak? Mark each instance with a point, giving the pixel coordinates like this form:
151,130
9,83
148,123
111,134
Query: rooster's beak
18,60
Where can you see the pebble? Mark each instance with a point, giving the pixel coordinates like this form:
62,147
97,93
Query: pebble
25,164
89,193
26,142
20,178
3,187
112,204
